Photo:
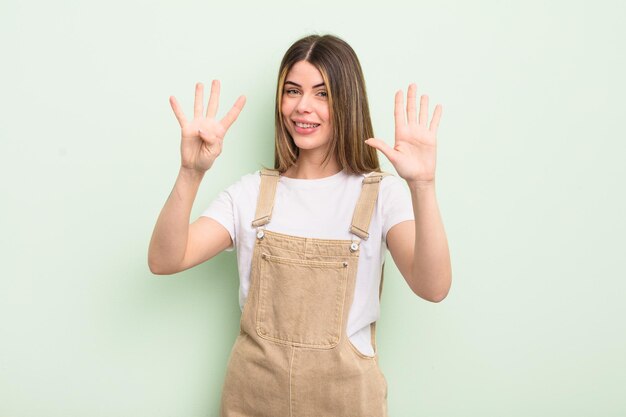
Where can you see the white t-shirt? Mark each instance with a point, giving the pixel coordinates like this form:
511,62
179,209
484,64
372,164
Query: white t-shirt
319,208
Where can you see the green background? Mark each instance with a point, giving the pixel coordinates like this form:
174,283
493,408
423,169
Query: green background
529,181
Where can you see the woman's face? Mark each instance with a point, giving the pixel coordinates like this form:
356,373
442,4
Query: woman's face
305,109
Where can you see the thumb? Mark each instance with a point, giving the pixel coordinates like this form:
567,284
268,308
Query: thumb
381,146
206,136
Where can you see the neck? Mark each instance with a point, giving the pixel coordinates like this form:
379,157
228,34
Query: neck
308,167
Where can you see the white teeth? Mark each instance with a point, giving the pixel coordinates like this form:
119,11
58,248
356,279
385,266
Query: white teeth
306,125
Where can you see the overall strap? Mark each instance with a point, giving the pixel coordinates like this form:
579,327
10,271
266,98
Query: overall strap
265,203
366,203
361,223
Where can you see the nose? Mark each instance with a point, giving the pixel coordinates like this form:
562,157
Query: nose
304,105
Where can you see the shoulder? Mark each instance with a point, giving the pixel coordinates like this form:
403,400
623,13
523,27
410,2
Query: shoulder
392,183
246,184
394,194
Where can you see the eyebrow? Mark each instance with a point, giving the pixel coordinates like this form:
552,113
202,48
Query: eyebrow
299,86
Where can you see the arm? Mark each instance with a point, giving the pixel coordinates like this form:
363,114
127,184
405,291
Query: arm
423,262
176,245
420,247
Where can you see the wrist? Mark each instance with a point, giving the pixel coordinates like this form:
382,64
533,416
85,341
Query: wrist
421,185
190,174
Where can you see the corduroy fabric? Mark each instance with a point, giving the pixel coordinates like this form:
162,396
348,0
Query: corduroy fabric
365,206
265,202
292,357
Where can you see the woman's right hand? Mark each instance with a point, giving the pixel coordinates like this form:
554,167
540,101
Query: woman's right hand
202,137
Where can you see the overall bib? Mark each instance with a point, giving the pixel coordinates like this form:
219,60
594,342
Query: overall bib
292,357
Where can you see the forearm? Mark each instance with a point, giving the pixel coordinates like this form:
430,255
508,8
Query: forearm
169,238
431,273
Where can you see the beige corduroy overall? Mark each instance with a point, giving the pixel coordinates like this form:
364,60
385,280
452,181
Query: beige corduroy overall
293,357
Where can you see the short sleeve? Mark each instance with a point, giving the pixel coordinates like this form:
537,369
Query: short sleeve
221,209
396,204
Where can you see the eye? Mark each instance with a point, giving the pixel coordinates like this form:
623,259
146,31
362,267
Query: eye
291,91
323,93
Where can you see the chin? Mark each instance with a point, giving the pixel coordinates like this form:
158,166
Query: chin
308,144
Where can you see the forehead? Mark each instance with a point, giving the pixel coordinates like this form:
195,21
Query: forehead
305,74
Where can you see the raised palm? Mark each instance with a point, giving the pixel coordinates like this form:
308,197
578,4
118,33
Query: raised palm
414,153
202,136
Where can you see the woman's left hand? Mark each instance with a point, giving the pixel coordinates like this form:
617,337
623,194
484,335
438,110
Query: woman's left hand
414,154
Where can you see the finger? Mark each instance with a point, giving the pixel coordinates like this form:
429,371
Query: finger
198,101
178,112
382,146
423,110
411,104
434,123
399,109
233,113
214,100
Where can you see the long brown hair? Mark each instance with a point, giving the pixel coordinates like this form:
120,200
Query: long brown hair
347,100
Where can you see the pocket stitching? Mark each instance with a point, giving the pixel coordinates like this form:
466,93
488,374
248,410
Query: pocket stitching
316,264
339,299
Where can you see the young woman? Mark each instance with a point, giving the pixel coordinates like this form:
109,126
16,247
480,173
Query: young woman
311,234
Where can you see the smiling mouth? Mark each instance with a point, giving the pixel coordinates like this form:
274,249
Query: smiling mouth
306,125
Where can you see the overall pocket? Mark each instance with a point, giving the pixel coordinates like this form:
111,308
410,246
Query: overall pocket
301,302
